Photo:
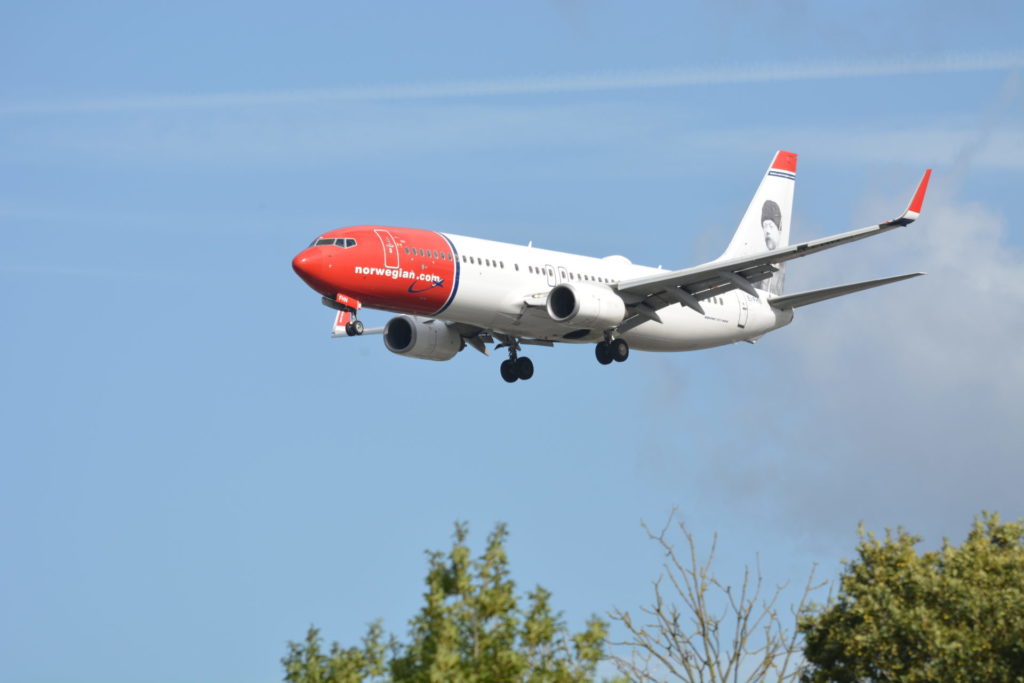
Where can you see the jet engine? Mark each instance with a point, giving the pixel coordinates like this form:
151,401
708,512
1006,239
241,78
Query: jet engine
584,305
424,338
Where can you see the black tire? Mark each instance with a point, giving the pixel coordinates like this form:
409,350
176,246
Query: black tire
508,371
603,353
619,349
524,368
357,327
349,330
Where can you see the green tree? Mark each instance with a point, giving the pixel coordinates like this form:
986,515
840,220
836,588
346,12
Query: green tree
956,614
471,629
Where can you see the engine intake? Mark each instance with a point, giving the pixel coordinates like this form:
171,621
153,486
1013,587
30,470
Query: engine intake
423,338
584,305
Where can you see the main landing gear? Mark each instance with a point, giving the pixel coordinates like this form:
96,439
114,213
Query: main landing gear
611,350
516,367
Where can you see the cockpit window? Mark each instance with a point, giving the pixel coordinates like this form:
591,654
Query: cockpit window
343,242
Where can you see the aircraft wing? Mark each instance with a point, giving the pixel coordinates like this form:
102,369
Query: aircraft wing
690,286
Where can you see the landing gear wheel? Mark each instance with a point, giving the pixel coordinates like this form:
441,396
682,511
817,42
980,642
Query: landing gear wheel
524,368
603,353
355,328
508,371
619,349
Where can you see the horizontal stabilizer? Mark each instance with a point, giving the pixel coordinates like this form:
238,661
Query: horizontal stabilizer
813,297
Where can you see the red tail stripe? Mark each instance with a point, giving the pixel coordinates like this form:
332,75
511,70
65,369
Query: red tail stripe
785,161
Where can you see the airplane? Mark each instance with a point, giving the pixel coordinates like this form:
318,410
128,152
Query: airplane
451,291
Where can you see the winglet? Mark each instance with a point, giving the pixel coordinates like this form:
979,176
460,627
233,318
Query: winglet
914,210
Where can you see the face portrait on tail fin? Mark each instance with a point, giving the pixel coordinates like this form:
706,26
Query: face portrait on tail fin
771,223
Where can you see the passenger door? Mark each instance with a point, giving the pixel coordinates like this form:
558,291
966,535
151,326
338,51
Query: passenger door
550,271
387,241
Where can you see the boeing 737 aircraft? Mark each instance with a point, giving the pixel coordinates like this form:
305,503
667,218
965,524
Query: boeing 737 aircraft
451,292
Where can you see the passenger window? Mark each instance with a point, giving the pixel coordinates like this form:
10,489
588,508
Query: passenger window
517,266
502,264
463,258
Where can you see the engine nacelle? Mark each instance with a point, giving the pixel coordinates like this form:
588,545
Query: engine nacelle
584,305
421,338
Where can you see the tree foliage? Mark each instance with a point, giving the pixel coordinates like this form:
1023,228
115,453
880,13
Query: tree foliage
472,628
956,614
701,629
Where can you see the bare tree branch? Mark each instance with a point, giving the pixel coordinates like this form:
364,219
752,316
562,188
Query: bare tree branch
700,630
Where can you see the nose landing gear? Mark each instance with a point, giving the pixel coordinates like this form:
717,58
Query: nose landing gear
611,350
516,367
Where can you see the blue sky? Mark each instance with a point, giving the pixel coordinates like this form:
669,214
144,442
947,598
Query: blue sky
192,471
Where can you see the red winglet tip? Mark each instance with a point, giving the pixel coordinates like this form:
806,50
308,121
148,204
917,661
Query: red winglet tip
918,201
784,161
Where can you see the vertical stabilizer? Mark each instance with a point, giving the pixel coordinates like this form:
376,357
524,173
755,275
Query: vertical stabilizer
765,225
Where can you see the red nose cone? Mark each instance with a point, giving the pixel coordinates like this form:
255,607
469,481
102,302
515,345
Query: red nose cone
312,265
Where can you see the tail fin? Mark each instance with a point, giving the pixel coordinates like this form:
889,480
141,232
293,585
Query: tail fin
765,225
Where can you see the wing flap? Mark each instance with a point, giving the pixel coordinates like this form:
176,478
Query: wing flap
814,296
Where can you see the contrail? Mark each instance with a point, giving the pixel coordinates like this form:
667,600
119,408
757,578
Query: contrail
536,85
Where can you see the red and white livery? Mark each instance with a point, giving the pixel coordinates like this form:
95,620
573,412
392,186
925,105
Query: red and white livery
451,291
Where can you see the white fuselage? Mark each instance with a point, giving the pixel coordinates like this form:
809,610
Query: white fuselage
504,287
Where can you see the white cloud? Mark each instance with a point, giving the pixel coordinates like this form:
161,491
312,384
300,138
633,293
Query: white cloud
604,132
910,396
572,83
